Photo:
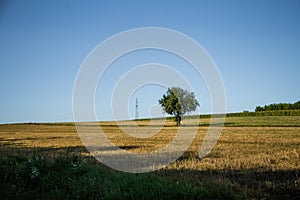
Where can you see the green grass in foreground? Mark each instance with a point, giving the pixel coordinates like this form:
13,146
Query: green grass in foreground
77,178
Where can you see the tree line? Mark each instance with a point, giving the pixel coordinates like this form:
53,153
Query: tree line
279,106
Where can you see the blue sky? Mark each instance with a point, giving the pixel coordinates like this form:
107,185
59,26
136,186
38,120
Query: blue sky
255,45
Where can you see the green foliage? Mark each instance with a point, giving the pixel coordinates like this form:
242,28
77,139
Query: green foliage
80,178
178,102
77,178
279,106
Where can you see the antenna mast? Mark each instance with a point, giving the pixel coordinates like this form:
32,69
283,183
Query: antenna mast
136,108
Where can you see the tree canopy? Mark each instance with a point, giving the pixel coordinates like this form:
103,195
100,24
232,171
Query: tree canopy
178,102
279,106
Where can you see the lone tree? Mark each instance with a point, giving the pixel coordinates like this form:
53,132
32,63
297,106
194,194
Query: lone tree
178,102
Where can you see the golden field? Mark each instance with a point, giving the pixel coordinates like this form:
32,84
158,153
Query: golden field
257,156
237,148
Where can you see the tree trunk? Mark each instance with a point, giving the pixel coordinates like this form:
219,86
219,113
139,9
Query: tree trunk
178,119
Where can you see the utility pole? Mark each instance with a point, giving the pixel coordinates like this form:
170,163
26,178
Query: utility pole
136,108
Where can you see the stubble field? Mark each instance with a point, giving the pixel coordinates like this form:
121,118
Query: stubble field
254,158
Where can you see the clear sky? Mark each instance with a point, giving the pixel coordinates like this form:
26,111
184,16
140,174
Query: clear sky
255,45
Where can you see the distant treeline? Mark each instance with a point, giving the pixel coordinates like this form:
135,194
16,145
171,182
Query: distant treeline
280,109
279,106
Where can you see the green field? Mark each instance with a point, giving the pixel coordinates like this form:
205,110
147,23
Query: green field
256,157
258,121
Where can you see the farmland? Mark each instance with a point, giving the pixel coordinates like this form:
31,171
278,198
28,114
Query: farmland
255,157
